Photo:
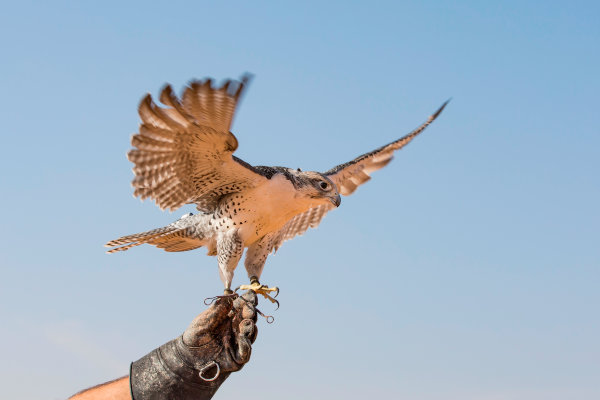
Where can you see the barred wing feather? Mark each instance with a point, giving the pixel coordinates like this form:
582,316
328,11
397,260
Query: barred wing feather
183,153
349,176
300,224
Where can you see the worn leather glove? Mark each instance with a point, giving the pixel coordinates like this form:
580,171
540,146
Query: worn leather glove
194,365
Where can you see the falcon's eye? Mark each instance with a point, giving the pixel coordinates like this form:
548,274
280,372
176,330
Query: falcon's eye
324,185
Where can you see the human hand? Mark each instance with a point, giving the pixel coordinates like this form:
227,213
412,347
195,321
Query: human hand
193,366
223,335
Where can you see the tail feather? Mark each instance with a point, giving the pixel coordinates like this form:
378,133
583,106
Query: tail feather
123,248
129,241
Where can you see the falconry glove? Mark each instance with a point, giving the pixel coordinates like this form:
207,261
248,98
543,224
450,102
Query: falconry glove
194,365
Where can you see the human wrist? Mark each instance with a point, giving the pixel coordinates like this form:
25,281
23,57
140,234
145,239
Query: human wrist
176,371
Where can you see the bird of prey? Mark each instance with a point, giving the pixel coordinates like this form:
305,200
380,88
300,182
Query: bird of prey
183,153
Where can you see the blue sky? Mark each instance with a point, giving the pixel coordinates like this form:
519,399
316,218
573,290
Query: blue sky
467,269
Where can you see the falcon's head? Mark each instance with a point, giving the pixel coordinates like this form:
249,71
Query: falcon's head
315,186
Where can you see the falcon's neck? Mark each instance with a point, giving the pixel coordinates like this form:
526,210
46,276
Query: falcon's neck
281,198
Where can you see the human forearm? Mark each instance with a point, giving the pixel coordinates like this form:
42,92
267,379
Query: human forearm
113,390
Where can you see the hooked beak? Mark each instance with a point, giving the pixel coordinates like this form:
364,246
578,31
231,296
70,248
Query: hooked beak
336,201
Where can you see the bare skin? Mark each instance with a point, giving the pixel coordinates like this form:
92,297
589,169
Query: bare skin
116,390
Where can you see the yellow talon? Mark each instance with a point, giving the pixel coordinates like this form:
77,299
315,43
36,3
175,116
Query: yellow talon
264,290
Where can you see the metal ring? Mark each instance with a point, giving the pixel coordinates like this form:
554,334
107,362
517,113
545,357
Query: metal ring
207,366
209,300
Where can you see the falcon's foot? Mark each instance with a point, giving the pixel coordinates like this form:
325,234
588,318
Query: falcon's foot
264,290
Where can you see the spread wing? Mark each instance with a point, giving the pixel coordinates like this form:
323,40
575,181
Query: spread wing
183,153
352,174
347,177
300,224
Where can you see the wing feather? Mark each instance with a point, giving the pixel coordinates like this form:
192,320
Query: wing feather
183,153
349,176
150,144
300,224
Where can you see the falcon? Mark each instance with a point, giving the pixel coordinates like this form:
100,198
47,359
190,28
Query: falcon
183,154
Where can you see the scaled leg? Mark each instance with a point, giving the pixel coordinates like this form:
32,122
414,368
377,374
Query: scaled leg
256,256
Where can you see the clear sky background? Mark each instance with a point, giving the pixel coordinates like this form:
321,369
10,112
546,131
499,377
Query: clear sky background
469,268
